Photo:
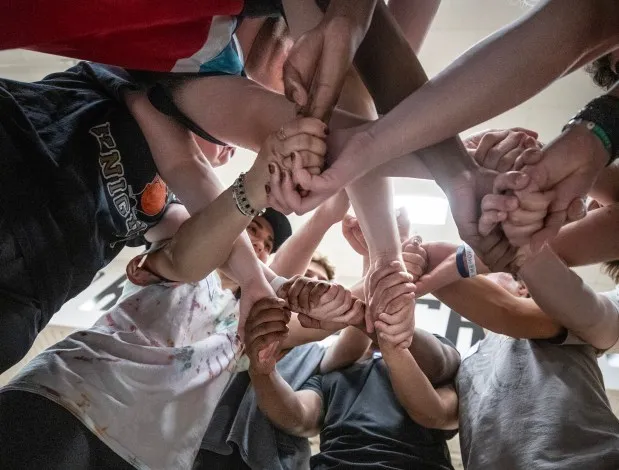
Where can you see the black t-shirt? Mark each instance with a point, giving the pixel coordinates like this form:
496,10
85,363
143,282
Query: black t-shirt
366,427
79,179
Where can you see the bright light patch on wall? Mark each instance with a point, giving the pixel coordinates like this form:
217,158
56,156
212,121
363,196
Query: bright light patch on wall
425,210
613,360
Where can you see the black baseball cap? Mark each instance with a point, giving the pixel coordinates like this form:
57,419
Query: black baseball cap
281,227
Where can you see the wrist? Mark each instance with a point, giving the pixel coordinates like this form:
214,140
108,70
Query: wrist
352,18
255,181
321,220
258,376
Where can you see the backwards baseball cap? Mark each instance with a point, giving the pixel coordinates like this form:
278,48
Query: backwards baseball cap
281,227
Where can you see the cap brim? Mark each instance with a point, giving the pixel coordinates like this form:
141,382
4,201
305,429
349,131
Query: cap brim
281,227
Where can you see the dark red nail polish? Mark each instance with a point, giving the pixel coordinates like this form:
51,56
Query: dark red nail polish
267,188
271,168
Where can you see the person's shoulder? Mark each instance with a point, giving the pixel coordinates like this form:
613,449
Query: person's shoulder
445,341
612,295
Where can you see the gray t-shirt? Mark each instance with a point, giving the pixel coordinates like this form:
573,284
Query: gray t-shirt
535,405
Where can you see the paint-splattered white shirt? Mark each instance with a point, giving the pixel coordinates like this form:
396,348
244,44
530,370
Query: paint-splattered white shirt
147,376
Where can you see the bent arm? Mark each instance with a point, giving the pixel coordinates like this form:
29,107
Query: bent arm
492,307
199,246
427,406
297,413
569,301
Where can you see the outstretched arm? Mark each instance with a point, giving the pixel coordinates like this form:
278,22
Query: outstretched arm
492,307
569,301
582,31
294,256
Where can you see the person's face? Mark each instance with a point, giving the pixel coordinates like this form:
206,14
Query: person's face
217,155
261,235
317,271
509,283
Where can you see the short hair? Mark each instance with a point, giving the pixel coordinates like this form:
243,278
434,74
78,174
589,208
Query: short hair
323,261
611,269
602,72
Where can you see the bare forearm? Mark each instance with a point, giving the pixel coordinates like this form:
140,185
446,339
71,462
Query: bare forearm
349,347
200,246
294,256
419,121
282,405
242,265
434,409
595,236
414,19
569,301
372,198
492,307
392,77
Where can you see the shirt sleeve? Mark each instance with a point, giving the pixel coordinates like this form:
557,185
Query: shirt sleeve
314,384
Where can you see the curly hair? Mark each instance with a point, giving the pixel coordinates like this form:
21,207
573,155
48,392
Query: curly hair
602,72
323,261
611,269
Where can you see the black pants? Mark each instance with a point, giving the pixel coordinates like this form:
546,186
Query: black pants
37,434
20,312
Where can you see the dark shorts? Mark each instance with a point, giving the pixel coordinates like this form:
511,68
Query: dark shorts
36,433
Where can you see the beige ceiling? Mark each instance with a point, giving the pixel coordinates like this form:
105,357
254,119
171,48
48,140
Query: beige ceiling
459,24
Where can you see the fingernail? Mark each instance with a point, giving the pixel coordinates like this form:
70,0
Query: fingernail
293,157
267,188
271,168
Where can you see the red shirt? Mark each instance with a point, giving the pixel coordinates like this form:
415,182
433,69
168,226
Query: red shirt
139,34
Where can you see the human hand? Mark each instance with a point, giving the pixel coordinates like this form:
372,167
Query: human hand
393,299
304,190
524,221
466,195
384,282
251,292
320,59
266,328
498,149
300,142
415,257
568,166
322,301
354,236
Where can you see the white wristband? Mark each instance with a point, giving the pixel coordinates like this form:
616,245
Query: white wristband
278,282
469,255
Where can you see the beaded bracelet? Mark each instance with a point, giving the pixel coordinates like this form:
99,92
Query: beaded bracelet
240,198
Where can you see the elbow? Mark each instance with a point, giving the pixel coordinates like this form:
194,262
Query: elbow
446,367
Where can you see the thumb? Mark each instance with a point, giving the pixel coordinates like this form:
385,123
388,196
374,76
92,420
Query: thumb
576,210
294,88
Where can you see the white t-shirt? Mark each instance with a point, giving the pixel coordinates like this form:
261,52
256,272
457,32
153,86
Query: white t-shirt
147,376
